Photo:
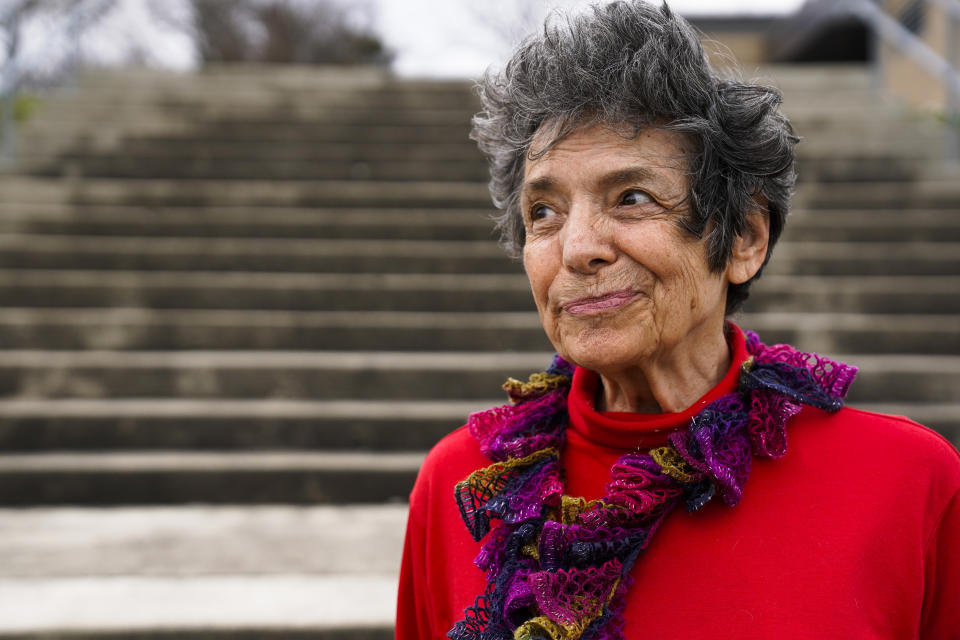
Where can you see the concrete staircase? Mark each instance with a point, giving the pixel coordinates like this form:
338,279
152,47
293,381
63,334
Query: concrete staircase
236,308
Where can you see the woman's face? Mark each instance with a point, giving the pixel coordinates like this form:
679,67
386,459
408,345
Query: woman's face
615,279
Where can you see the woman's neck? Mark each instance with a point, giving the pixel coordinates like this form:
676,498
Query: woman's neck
666,383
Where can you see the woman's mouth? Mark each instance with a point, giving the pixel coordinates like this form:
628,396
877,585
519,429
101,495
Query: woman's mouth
598,304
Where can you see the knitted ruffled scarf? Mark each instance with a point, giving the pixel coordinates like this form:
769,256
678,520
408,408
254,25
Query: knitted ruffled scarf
558,567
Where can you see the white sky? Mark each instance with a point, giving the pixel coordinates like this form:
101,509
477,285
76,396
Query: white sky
448,38
456,38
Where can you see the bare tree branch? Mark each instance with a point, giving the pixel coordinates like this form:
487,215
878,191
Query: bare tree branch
80,15
283,31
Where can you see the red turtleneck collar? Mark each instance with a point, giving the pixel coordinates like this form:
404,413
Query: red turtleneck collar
624,430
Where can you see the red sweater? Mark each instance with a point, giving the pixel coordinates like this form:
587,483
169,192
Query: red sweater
855,533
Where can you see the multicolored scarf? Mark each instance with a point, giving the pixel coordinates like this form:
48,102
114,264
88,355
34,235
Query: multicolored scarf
558,567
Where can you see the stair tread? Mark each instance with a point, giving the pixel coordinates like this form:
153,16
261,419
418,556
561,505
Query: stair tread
173,461
407,281
130,604
353,360
807,321
198,541
240,408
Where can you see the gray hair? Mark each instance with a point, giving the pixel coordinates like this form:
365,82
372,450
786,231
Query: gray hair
635,65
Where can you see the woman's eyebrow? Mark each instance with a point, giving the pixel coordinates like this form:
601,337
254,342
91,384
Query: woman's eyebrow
629,174
612,179
539,185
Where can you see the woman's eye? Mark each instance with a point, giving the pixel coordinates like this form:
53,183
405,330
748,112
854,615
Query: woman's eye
541,211
635,196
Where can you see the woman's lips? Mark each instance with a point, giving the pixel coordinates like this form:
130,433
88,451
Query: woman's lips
597,304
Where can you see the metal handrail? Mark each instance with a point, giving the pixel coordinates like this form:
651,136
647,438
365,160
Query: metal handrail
909,45
888,30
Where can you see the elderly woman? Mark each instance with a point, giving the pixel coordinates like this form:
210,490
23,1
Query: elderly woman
611,499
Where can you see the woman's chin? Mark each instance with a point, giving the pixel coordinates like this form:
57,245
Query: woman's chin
599,349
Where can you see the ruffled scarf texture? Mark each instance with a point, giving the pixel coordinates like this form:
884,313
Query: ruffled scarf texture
558,567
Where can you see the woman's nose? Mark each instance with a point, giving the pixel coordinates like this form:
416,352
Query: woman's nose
587,242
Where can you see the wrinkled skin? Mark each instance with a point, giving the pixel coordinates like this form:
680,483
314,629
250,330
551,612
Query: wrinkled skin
620,287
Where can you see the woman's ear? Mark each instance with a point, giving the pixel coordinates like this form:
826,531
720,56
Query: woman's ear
750,248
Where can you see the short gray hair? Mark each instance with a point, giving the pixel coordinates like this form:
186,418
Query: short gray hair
635,65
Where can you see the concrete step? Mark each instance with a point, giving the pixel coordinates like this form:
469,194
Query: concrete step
129,104
230,424
200,572
842,143
880,166
894,165
328,375
140,329
859,333
366,107
211,96
202,541
163,144
843,148
278,131
319,121
332,193
466,292
212,92
856,294
931,194
918,225
308,79
162,477
388,108
204,122
262,608
458,292
261,374
253,254
324,110
845,169
256,169
868,259
252,222
104,425
211,477
133,96
157,147
261,77
936,194
412,256
936,225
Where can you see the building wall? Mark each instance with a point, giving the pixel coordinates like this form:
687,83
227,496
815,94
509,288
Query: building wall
746,48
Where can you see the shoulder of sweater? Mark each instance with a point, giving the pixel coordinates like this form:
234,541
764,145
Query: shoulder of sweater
457,444
451,460
902,427
890,437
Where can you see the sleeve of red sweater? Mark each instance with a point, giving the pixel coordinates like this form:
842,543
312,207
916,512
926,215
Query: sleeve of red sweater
941,599
413,607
